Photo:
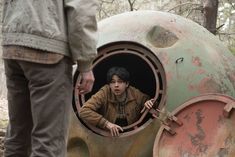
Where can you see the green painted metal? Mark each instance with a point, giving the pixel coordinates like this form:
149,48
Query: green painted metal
207,66
194,60
85,143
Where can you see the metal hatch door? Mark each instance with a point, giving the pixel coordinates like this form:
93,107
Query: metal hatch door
207,129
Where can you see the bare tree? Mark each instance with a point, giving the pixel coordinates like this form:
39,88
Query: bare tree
210,8
103,12
188,9
204,12
131,4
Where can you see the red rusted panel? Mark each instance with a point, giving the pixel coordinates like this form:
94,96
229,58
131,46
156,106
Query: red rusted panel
208,129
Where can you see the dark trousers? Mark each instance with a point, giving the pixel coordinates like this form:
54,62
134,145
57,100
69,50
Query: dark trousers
39,101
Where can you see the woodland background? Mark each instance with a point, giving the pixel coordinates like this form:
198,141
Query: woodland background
218,16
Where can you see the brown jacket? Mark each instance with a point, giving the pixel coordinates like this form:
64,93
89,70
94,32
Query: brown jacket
102,106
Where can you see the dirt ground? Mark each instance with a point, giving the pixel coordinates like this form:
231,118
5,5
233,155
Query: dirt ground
2,133
3,101
3,123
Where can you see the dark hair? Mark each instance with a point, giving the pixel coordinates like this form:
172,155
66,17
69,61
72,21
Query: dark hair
121,72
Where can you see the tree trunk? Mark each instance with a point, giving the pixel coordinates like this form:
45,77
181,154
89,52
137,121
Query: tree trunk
210,8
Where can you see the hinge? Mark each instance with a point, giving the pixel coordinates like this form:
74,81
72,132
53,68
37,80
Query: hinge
228,109
166,118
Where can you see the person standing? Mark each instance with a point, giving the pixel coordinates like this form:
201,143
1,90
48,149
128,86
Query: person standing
42,39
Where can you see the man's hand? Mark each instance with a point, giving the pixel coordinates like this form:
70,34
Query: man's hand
85,82
113,128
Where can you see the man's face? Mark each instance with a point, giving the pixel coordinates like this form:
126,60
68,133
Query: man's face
118,86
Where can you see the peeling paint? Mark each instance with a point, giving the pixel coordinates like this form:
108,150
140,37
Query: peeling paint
206,85
169,76
197,139
200,71
163,56
196,61
231,77
205,131
161,37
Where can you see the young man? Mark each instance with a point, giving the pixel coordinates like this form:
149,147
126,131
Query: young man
116,104
41,41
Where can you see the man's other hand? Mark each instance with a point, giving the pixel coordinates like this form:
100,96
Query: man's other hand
85,82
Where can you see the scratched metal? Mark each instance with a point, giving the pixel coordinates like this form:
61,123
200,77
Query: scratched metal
205,132
194,62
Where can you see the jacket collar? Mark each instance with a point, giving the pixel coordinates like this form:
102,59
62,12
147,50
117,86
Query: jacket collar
111,96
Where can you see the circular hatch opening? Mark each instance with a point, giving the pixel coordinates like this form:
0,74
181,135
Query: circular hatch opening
146,71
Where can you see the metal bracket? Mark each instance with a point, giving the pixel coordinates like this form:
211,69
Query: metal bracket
228,109
166,118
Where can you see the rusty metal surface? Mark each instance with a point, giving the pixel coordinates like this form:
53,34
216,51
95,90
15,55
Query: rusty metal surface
154,64
206,130
195,61
83,142
190,62
89,141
